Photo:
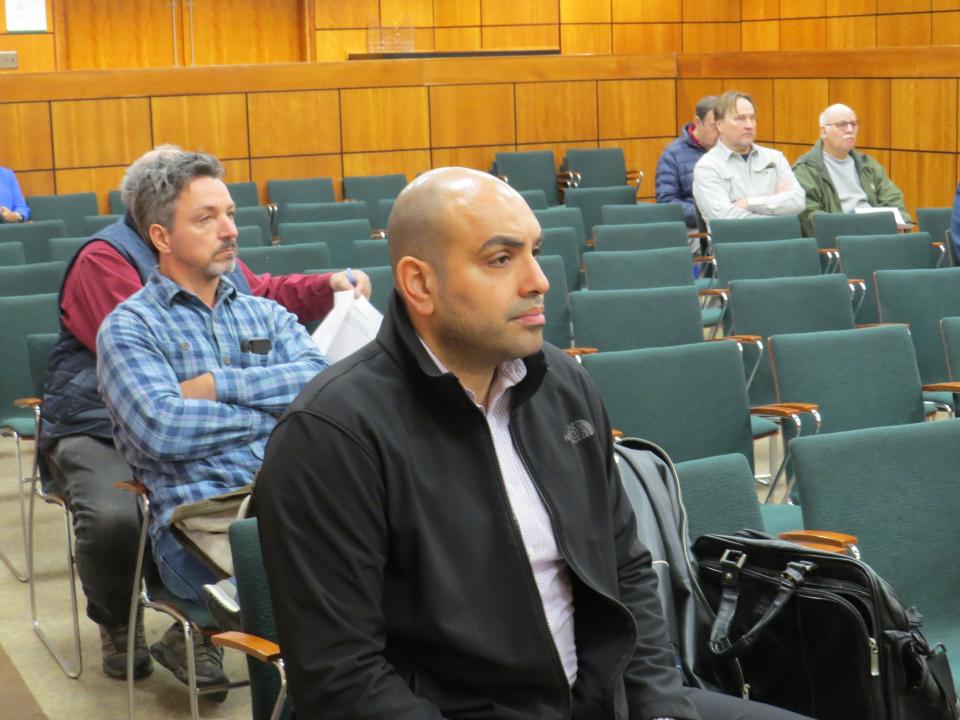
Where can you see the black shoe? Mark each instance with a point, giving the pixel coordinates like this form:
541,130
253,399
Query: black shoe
221,600
113,642
171,652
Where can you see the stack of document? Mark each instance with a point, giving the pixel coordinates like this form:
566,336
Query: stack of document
351,324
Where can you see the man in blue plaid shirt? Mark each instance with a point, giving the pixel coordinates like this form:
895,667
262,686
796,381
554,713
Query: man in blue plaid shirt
193,372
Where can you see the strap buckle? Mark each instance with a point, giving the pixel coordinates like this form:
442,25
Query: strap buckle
731,563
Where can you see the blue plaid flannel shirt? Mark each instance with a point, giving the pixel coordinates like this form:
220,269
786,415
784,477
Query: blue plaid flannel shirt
188,450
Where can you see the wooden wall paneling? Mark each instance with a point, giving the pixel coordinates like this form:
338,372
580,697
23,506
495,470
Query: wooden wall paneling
556,112
453,13
851,7
658,11
478,158
463,115
29,141
761,90
236,170
717,11
945,5
688,93
336,14
265,31
384,119
457,38
642,154
870,99
903,30
423,39
631,39
796,107
37,182
121,128
585,11
110,34
848,33
900,6
512,37
216,124
924,114
100,180
791,151
760,36
336,45
596,39
804,34
287,168
407,13
409,162
759,9
35,52
946,28
518,12
718,37
802,8
926,178
636,108
294,123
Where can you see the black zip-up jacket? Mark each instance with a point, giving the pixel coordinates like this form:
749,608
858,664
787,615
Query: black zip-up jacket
400,584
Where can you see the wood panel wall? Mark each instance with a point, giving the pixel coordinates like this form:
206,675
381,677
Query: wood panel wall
69,132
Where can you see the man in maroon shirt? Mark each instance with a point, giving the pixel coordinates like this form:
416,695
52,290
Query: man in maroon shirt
75,437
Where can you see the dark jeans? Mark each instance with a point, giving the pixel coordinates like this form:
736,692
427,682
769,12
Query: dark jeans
106,522
715,706
181,571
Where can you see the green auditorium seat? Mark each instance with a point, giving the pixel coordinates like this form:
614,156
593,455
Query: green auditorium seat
71,209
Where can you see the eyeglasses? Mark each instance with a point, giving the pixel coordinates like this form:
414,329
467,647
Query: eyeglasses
852,124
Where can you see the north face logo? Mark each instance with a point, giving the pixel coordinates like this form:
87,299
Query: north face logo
578,431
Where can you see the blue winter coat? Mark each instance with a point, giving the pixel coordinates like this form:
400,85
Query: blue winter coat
674,182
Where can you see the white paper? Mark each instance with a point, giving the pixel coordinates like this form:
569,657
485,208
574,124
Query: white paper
896,212
351,324
26,15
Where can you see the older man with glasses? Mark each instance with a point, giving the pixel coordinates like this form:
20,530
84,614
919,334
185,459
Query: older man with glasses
837,178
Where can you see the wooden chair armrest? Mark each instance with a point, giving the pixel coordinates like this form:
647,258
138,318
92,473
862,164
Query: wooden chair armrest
854,281
715,292
617,434
578,351
28,402
702,258
255,646
784,409
938,245
828,540
826,251
953,387
134,486
754,339
505,178
378,235
635,177
590,242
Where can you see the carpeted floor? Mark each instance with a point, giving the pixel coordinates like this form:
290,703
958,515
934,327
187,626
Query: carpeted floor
16,699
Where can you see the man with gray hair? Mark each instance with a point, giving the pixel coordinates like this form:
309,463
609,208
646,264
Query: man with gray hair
738,178
674,183
839,179
76,439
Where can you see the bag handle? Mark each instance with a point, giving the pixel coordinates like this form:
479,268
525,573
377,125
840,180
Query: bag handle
731,563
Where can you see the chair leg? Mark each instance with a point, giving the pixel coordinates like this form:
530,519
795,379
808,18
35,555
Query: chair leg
191,670
136,597
282,694
22,576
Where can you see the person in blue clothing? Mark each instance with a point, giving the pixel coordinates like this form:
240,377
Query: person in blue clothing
674,181
13,208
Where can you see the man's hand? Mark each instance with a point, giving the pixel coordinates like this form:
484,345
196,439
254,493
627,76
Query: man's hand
9,215
360,285
783,186
202,387
741,203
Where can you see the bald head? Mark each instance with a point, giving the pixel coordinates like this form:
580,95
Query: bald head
430,210
832,113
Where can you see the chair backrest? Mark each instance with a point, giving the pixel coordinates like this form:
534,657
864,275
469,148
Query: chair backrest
639,269
38,350
720,495
370,253
827,227
64,248
920,298
642,212
372,188
775,227
950,333
591,200
893,488
563,216
632,319
562,241
302,190
339,235
863,255
860,378
935,221
529,170
249,236
257,215
691,400
71,209
11,253
384,208
786,305
117,205
95,223
20,317
322,212
244,194
640,236
598,167
33,279
34,237
256,611
772,259
536,199
557,330
284,260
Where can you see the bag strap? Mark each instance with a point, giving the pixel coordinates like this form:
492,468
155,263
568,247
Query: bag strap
731,563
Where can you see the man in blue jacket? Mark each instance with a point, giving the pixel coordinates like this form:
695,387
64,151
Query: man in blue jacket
674,181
